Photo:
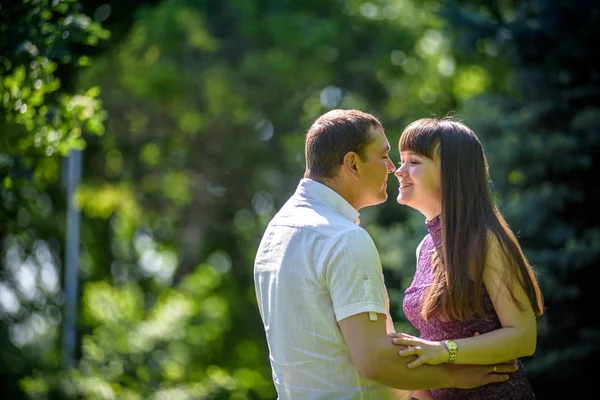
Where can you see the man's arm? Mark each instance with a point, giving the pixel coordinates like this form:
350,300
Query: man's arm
376,358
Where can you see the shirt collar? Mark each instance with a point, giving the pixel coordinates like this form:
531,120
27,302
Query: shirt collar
314,190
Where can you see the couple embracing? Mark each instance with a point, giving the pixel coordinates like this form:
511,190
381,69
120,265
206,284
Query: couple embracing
321,293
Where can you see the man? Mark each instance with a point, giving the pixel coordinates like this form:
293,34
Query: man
319,281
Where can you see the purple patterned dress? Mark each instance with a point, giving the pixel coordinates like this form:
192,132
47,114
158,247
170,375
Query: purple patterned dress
517,386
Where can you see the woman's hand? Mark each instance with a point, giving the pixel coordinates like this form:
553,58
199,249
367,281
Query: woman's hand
427,352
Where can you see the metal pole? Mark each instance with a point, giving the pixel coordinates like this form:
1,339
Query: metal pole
73,177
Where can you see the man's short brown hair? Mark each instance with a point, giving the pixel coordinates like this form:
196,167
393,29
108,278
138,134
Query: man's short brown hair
332,136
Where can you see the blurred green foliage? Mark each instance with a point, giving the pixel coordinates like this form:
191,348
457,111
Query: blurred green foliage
40,121
192,119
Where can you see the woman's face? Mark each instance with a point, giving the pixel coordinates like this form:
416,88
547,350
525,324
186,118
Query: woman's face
420,183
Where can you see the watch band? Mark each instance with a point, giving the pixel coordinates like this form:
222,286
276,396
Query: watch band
452,348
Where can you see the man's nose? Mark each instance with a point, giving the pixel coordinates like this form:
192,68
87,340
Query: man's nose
391,166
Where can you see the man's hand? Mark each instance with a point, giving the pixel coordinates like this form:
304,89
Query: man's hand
376,358
427,352
470,376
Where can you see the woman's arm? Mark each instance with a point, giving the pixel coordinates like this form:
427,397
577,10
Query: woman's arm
421,395
516,338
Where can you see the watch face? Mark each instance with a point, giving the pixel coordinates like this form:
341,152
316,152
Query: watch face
452,345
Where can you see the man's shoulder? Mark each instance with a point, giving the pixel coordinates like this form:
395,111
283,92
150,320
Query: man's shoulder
304,215
330,228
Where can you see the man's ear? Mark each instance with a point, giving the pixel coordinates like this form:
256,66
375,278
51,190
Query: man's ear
350,164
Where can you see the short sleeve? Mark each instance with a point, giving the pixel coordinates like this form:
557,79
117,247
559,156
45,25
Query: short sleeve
354,276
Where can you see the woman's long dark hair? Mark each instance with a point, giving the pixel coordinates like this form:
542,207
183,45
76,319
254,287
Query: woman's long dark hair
471,223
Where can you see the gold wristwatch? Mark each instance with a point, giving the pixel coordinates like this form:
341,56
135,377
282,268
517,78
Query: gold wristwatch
452,348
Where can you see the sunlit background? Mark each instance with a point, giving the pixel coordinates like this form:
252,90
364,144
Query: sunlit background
145,145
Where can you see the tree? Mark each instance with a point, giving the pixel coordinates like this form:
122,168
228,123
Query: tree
208,105
538,123
41,121
204,107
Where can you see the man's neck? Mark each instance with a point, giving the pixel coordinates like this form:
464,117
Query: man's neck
339,186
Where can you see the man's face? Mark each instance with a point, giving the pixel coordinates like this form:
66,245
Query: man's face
375,168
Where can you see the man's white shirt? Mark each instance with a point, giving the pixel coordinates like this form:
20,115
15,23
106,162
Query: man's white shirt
314,267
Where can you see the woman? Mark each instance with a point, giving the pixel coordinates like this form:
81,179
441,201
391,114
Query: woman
474,297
